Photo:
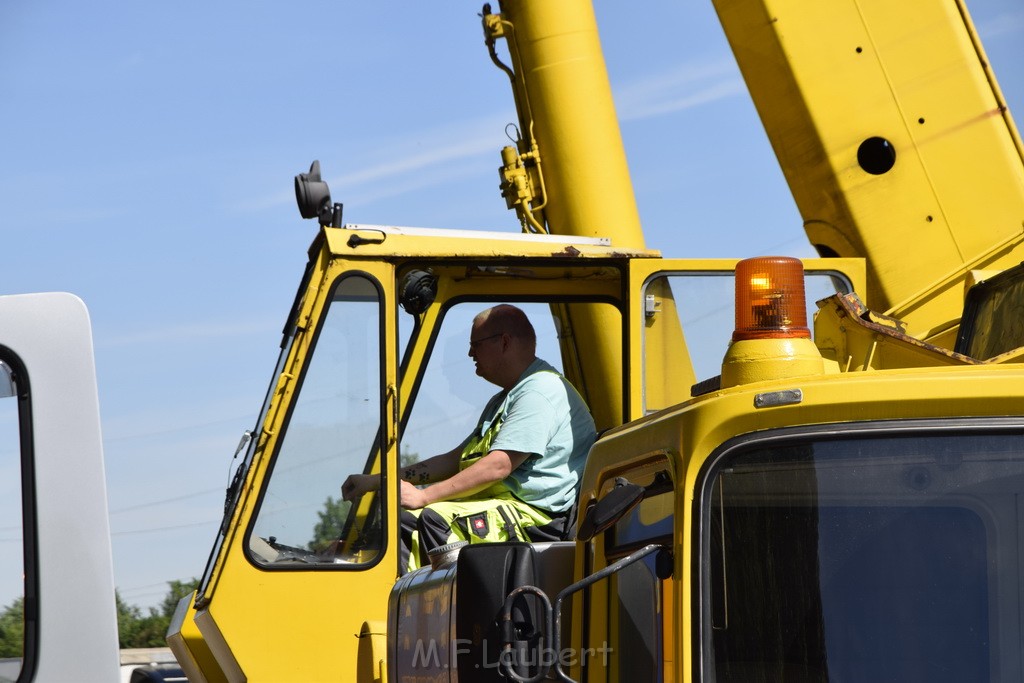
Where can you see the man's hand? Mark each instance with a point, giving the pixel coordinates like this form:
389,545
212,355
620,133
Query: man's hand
412,498
358,484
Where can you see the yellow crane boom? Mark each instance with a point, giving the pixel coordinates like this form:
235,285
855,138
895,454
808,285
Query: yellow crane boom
895,140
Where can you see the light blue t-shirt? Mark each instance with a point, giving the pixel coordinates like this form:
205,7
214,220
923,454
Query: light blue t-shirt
546,417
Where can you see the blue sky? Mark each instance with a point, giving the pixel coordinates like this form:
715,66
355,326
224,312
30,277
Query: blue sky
146,159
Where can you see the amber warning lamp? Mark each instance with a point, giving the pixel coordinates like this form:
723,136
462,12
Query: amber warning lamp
770,299
771,339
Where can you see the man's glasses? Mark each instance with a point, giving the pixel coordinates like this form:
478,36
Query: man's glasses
473,343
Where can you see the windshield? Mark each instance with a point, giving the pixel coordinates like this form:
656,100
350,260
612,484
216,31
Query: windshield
856,558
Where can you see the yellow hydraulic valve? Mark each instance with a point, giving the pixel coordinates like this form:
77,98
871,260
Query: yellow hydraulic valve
518,186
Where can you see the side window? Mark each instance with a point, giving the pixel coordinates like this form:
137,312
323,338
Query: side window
12,536
704,303
451,396
636,595
333,431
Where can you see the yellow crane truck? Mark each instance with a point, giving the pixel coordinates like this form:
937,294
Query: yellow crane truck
841,499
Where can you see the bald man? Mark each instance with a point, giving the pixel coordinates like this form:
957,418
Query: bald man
516,476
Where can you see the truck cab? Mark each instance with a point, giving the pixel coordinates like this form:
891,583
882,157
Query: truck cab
57,560
373,375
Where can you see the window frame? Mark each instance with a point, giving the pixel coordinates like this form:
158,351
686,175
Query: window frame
380,439
702,647
29,520
672,272
485,300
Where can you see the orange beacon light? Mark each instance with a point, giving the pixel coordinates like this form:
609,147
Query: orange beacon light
771,340
770,302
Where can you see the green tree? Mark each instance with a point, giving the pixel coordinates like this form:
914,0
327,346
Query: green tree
176,591
136,629
332,517
12,629
408,457
128,617
331,521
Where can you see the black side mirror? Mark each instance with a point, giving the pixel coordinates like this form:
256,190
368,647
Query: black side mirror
610,509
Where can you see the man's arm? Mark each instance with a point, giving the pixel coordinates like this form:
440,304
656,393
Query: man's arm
433,469
423,472
491,468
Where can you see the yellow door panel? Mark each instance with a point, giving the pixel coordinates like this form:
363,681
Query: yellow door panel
302,570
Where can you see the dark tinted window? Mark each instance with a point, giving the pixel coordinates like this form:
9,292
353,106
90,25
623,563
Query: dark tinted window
890,559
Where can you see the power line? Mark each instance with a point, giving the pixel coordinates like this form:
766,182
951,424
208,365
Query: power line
165,432
134,532
149,588
166,500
